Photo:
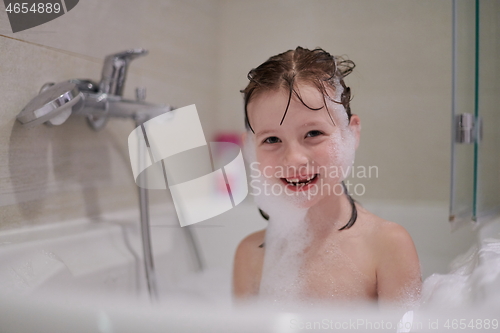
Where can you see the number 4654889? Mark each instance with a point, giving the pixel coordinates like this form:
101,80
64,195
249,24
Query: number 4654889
36,8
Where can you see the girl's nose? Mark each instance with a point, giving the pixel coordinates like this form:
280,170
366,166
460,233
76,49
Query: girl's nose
295,156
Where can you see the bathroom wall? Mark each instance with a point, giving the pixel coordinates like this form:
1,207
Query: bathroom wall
67,172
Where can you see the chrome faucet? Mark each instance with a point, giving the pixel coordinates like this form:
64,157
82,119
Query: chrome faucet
98,102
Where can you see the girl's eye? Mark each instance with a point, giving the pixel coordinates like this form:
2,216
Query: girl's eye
272,139
314,133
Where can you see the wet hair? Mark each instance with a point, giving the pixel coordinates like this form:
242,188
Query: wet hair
283,71
315,67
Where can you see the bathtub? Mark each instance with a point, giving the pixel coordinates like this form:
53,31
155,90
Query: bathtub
87,276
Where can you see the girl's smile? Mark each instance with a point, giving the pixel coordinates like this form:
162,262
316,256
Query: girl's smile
300,183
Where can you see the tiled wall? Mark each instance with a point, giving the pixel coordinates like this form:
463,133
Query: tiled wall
66,172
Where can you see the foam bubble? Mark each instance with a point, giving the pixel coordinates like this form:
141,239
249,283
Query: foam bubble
286,237
343,143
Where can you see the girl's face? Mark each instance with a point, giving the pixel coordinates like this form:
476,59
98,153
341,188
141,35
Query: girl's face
308,155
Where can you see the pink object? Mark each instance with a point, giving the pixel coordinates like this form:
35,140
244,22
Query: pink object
231,137
228,137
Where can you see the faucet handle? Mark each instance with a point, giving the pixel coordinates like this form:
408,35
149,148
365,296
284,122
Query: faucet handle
114,71
130,54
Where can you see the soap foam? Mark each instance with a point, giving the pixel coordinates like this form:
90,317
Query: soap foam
343,142
285,240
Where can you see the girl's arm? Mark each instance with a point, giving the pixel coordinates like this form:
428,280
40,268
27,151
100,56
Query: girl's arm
399,279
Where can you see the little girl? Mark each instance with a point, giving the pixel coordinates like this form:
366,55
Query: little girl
320,244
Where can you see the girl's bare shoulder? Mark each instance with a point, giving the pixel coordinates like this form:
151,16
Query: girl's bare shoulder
396,261
249,242
390,242
381,230
247,267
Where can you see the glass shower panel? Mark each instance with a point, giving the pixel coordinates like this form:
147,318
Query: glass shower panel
488,155
463,102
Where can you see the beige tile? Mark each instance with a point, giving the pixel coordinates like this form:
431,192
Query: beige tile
53,174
